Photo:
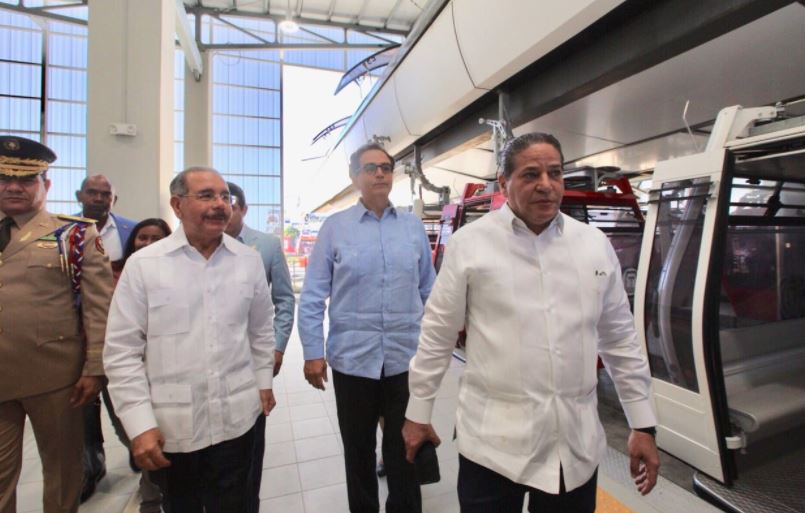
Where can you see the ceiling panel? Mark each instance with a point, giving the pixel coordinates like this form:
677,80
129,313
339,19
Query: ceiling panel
766,67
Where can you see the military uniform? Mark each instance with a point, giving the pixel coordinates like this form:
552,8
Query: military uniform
50,265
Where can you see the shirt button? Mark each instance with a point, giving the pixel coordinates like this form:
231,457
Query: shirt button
61,337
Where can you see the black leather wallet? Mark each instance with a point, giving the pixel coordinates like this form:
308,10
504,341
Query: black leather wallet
427,464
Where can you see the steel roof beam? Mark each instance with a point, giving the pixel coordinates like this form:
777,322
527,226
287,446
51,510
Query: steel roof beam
32,11
184,34
290,46
201,11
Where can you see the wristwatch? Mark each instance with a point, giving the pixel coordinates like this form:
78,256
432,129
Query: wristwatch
648,430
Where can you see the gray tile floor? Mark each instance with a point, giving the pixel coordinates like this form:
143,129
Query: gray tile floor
304,466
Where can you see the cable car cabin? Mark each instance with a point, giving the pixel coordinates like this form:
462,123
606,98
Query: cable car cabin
720,308
605,200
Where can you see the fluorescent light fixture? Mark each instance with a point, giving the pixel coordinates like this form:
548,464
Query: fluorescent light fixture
288,26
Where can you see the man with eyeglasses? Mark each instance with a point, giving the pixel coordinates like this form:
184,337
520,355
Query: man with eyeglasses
55,288
96,197
190,352
373,262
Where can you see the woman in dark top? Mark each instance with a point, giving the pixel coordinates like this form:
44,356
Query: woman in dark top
144,233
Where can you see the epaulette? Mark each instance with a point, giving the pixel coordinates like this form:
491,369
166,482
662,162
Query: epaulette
76,219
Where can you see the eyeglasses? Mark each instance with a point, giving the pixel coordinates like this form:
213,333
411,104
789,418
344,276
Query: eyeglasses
22,180
371,168
209,196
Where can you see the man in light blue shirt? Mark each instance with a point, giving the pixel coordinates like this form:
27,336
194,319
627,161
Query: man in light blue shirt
373,262
279,279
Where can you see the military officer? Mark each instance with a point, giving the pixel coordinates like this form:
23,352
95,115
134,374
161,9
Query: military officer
55,289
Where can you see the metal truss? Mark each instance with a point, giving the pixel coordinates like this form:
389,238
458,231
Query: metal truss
231,18
48,11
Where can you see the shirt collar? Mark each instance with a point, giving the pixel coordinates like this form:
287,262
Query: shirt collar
361,211
515,222
178,240
109,226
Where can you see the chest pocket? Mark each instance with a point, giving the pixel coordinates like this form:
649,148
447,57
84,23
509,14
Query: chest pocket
44,266
56,317
235,309
168,312
350,261
404,256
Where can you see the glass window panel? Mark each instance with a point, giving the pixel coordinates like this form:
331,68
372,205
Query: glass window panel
11,19
19,115
671,279
65,50
69,118
20,45
178,156
178,126
20,79
67,84
70,28
250,161
63,184
71,150
763,276
268,103
178,94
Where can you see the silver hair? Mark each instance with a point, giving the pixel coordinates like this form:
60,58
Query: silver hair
178,186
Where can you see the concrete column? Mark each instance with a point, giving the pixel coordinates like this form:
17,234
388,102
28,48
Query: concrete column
130,81
198,115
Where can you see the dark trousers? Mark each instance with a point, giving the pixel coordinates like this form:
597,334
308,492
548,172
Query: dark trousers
481,490
93,433
210,480
256,470
360,403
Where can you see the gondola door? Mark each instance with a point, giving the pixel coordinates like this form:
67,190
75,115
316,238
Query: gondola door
670,308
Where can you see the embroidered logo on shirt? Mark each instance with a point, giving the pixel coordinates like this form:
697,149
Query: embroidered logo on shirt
600,273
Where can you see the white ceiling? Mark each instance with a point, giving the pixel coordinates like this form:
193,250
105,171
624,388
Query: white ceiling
390,14
636,122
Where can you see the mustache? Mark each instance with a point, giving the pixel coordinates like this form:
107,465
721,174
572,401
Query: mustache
218,215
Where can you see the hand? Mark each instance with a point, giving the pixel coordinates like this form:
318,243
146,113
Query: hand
267,400
85,390
415,434
316,372
277,362
147,450
644,460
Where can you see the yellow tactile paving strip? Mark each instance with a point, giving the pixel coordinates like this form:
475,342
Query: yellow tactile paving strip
605,503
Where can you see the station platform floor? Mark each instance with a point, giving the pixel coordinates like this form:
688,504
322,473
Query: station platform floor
304,466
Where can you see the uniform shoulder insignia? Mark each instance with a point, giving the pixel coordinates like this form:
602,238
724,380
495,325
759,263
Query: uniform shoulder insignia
75,219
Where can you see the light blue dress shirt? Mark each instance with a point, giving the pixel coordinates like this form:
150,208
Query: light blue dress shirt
377,274
279,278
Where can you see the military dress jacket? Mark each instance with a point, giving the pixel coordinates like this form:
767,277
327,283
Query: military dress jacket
44,346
